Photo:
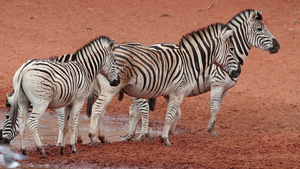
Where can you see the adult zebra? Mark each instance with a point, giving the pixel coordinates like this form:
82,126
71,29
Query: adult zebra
128,56
44,83
148,73
248,31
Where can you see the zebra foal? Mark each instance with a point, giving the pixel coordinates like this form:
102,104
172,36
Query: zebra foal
44,84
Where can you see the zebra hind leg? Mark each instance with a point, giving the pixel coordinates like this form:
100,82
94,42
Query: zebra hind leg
64,117
74,115
37,112
134,116
176,119
173,105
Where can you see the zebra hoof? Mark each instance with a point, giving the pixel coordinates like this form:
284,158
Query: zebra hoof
79,140
94,144
167,142
74,152
102,139
150,137
24,152
128,138
62,150
43,155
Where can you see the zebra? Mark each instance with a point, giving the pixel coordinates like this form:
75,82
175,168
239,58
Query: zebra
249,30
63,118
45,83
148,73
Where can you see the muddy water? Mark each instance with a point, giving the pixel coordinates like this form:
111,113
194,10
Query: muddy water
115,127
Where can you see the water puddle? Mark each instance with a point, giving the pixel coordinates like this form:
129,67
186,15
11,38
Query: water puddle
115,127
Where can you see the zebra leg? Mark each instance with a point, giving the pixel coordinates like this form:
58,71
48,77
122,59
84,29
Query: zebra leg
78,134
173,104
144,111
65,114
176,119
22,126
132,121
101,136
33,120
216,98
98,113
60,119
75,112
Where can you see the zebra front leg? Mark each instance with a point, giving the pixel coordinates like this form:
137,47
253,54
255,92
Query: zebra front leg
217,96
173,104
101,136
33,120
98,113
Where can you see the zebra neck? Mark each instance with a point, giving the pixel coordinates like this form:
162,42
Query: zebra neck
91,70
240,37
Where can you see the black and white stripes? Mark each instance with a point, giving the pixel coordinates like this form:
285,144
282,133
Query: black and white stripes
45,83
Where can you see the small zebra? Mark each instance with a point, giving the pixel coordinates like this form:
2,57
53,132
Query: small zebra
45,83
248,31
149,73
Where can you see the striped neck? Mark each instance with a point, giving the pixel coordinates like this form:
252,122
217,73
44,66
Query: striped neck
240,38
200,46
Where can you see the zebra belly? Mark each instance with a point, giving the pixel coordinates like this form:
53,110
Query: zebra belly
135,91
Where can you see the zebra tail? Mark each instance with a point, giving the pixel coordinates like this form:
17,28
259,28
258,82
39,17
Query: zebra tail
13,100
7,101
151,103
121,95
89,105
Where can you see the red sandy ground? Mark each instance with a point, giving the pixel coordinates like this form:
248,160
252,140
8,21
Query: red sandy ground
259,120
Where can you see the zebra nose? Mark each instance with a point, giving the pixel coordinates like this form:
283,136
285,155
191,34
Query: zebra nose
115,82
236,73
275,47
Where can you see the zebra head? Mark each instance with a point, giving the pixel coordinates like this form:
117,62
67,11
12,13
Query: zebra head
109,68
258,34
8,132
225,56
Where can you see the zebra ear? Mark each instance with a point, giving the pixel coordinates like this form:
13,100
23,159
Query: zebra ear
8,101
253,16
260,11
226,34
111,45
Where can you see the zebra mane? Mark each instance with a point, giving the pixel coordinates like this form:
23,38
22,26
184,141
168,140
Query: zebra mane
246,13
53,58
104,40
196,34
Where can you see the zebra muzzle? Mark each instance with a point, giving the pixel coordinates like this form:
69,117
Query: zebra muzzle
275,47
236,73
115,82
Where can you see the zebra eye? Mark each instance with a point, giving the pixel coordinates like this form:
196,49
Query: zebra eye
259,29
7,117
